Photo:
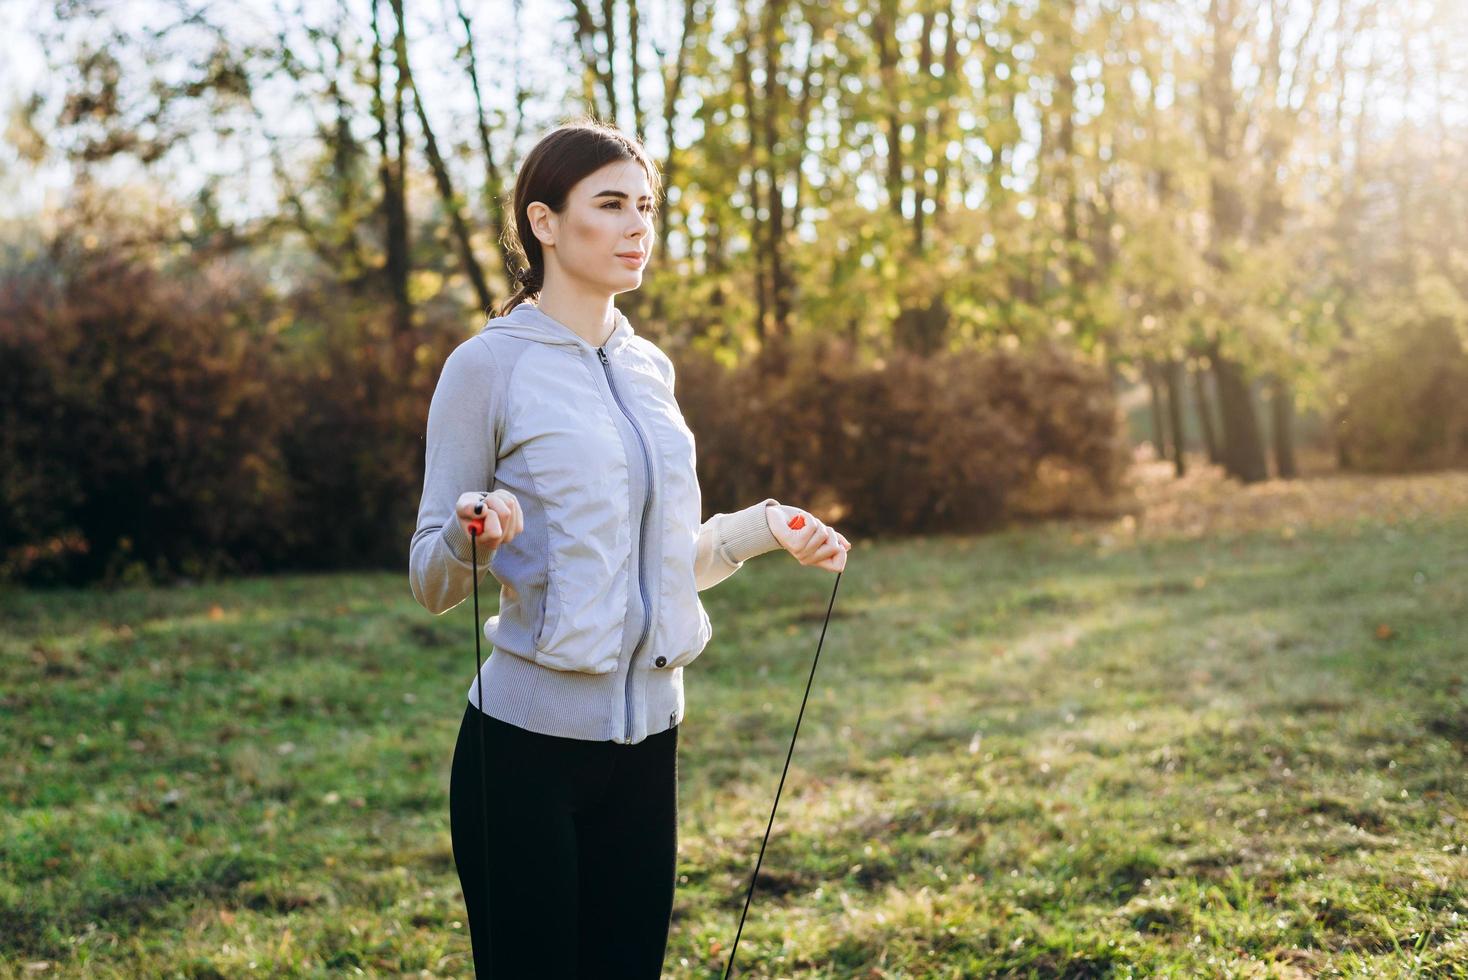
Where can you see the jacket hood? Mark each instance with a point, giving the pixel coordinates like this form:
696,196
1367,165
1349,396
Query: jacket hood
527,322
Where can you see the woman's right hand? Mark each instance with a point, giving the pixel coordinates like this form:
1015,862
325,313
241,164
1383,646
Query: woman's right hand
494,518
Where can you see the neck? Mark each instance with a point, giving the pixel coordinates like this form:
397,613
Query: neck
586,312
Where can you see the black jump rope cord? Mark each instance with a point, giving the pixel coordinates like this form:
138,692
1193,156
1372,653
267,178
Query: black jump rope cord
484,762
771,824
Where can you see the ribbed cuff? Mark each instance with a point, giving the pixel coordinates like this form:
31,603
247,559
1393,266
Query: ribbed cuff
747,533
458,543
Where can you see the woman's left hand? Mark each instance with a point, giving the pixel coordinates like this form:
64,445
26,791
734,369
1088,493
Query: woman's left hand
813,542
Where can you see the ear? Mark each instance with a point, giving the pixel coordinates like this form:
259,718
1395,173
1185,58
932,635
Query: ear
541,222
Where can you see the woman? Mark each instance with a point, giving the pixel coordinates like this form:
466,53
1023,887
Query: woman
556,430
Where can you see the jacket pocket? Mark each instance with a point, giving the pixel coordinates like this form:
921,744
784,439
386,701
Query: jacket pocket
545,626
689,629
581,631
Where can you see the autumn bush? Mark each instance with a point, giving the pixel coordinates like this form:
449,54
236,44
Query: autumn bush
163,422
907,443
167,419
139,417
1405,399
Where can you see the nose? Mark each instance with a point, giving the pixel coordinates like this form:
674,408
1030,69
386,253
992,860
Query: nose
641,230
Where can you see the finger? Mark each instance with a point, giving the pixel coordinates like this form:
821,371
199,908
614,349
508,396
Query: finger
808,550
819,543
487,525
830,550
500,506
507,504
806,536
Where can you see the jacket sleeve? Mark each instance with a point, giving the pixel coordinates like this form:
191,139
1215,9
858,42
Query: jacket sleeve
726,541
459,457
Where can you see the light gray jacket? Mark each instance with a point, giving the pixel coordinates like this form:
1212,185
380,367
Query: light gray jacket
598,605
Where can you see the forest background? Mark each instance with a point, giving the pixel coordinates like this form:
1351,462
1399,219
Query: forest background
963,239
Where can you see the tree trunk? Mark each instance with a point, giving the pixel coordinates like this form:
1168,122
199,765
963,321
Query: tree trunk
346,152
441,176
1173,377
1205,416
394,197
493,181
673,83
744,71
1243,449
592,74
634,71
884,36
609,77
1159,422
1282,403
922,128
1338,431
781,286
1065,163
796,165
945,109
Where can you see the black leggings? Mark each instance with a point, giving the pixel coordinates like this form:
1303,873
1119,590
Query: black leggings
582,852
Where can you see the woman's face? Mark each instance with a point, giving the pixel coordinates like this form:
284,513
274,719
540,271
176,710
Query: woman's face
608,214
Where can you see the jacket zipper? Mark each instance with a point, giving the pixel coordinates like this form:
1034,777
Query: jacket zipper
641,542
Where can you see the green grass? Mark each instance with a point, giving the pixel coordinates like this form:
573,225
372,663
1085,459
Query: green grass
1037,753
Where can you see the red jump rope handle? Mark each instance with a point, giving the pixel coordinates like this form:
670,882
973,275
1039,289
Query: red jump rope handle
476,526
797,522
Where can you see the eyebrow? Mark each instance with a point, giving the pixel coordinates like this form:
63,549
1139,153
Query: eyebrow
645,197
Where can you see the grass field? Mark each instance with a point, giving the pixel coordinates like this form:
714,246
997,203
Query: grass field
1186,745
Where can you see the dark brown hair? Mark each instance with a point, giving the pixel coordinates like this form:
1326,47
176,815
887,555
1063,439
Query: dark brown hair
557,163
